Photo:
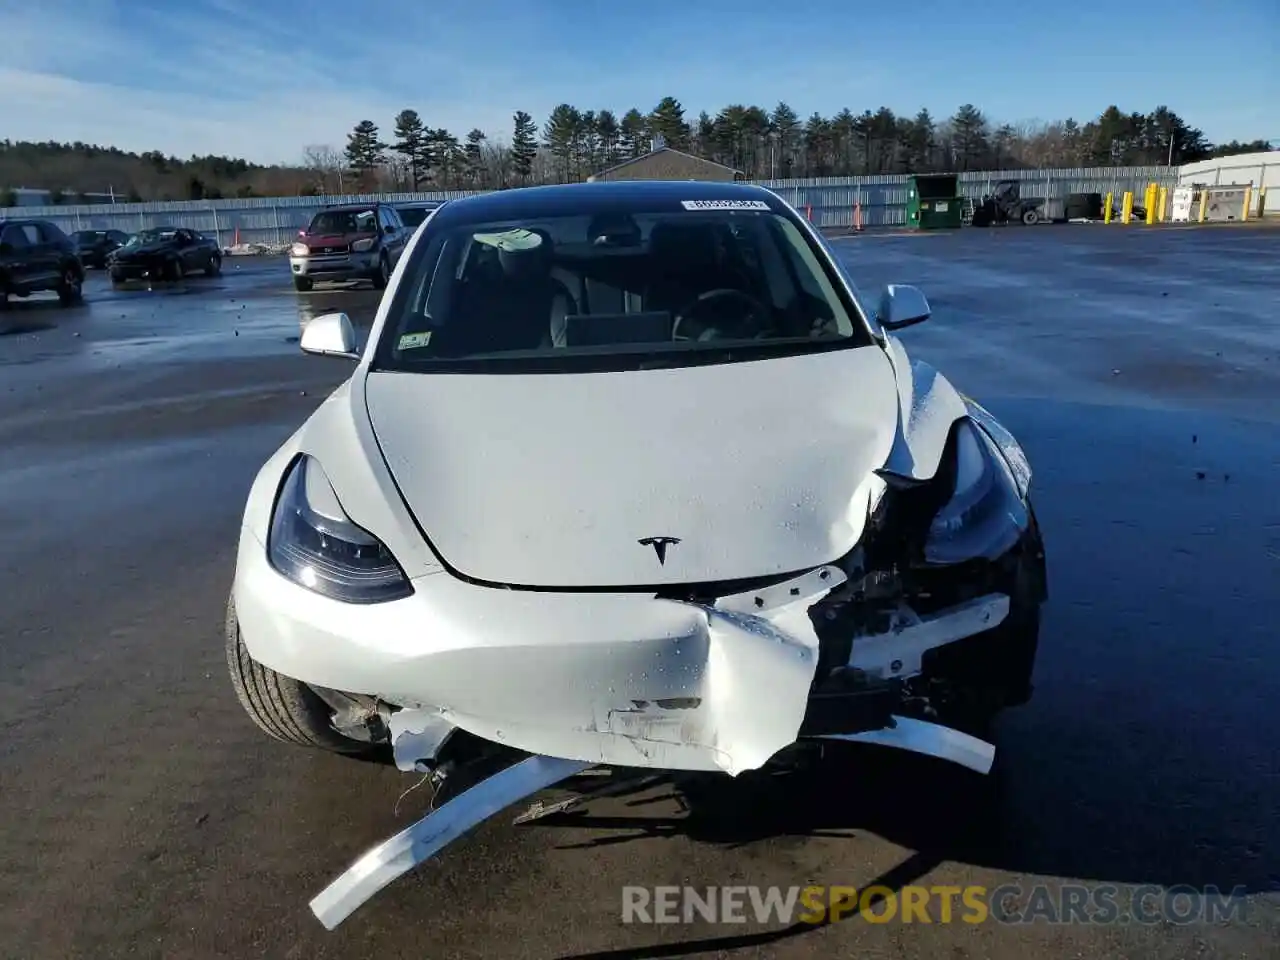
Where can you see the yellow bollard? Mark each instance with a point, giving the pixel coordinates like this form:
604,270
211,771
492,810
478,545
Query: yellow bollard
1106,211
1248,189
1126,208
1164,202
1150,204
1204,204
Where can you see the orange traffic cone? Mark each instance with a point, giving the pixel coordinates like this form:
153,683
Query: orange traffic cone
857,216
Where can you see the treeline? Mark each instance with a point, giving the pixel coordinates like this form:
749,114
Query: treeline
72,171
573,142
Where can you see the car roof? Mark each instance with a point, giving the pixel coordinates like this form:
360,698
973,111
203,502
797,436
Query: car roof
341,207
420,203
600,197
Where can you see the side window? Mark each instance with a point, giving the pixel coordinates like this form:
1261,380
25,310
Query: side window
32,233
51,233
14,236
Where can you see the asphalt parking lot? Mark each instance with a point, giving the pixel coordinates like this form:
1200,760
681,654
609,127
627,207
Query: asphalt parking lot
142,815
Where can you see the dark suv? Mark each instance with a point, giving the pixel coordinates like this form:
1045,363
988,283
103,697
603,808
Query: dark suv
34,256
93,246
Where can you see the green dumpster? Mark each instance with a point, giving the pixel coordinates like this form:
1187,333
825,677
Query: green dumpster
933,202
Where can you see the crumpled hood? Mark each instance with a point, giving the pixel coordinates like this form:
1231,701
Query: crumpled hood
145,250
755,468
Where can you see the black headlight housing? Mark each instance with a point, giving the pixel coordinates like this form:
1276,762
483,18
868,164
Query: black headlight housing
315,544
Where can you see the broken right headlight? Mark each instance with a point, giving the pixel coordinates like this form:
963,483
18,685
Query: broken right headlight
986,513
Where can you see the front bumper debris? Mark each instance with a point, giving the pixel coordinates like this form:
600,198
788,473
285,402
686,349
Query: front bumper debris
755,695
395,857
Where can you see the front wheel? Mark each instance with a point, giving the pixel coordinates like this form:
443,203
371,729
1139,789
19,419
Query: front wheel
283,708
173,270
302,284
1030,217
383,275
214,266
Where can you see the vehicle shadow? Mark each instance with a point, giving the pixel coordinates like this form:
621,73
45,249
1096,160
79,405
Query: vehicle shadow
942,813
33,315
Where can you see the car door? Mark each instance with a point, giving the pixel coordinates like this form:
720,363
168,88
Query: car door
395,241
43,255
56,248
188,252
15,256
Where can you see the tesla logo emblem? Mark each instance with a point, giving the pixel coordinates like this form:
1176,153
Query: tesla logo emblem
659,545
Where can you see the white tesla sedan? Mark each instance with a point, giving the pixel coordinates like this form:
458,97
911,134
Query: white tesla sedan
630,475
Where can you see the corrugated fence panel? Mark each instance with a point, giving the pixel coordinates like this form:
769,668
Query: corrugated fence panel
828,201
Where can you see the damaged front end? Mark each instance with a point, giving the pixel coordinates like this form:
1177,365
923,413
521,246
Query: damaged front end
914,640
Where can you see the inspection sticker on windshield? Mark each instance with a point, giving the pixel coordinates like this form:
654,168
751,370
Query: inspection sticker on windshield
411,341
724,204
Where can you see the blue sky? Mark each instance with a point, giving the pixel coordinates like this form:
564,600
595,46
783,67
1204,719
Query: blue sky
264,79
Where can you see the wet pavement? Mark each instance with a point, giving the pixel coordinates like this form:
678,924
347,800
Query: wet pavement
142,815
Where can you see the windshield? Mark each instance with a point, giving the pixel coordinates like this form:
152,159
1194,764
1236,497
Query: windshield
160,235
624,290
413,216
343,221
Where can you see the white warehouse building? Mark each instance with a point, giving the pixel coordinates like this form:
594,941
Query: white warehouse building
1255,169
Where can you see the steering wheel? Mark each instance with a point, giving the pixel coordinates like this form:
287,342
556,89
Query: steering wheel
757,311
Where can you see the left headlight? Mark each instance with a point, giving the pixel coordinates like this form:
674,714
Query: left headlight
986,513
313,542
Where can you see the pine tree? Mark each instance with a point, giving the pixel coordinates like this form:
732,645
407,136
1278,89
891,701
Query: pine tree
667,120
364,151
559,136
474,154
411,143
524,145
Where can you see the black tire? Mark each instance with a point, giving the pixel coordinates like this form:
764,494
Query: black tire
302,284
214,267
1030,217
283,708
70,287
117,279
383,273
173,270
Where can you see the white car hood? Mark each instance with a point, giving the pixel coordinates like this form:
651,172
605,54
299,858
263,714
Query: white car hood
553,480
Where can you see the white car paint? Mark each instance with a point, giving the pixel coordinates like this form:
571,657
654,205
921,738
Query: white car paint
758,468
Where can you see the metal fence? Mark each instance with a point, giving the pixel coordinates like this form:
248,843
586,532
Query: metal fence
829,201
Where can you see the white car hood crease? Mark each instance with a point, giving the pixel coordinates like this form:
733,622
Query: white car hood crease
552,480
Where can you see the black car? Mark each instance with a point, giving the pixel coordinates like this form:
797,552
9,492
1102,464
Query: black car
36,256
94,245
164,253
413,213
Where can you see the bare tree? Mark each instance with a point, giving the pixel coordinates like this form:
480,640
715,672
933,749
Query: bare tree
326,165
496,158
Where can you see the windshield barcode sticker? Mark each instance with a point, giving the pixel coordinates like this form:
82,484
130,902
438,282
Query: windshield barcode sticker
724,204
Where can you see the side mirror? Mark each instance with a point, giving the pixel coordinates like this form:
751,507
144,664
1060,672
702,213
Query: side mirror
902,306
330,335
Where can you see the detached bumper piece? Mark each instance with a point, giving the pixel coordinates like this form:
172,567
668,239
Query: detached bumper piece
410,847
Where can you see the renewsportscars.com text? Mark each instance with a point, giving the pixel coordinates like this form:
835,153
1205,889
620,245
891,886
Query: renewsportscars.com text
1007,904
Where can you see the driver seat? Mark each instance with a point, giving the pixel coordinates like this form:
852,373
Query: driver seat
686,261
